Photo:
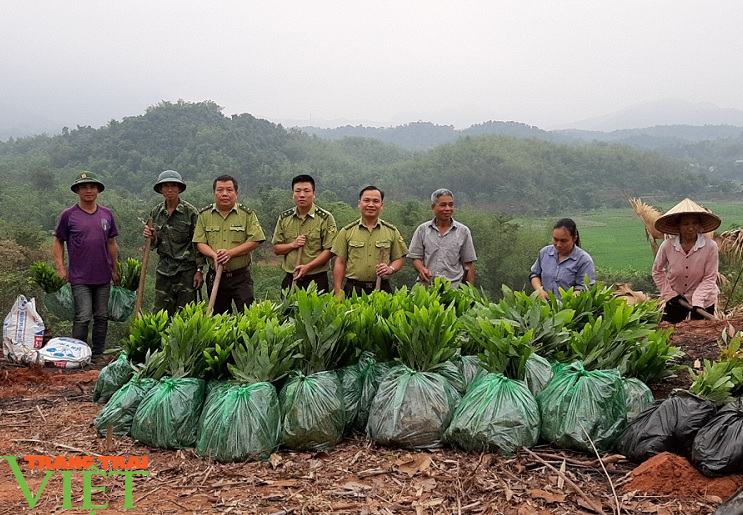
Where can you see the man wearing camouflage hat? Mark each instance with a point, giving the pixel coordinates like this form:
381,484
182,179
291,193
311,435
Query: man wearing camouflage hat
89,230
179,273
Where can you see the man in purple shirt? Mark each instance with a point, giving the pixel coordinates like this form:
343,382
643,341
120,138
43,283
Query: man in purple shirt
90,233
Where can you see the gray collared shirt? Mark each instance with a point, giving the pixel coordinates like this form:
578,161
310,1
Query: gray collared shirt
443,254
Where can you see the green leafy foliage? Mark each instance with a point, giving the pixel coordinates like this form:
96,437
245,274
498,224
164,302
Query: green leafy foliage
266,354
45,276
191,332
320,321
129,273
426,336
721,380
145,335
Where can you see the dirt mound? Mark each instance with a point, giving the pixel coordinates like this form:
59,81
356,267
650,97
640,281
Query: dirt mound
669,474
21,381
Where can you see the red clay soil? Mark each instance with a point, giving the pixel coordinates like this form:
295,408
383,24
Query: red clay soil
47,411
669,474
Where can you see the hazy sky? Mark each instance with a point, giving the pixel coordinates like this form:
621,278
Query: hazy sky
377,62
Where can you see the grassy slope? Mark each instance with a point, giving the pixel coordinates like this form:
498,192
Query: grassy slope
615,238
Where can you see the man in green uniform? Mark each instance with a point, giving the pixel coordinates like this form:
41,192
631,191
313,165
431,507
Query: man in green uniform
309,229
179,272
226,233
367,248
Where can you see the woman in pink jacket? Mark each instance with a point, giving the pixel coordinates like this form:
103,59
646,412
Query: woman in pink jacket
685,268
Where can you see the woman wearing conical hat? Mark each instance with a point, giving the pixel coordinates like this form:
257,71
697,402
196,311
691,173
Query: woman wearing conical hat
685,268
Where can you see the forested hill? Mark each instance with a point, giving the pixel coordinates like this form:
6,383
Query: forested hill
715,148
507,173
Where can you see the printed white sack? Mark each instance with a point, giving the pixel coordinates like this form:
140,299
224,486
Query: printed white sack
63,352
23,332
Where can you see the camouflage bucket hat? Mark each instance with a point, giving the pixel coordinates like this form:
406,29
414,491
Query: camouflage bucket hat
87,177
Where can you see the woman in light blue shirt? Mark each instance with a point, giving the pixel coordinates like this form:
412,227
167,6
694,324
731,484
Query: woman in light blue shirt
563,264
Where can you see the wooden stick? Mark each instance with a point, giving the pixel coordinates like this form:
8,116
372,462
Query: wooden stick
299,262
378,286
143,273
698,311
217,278
581,493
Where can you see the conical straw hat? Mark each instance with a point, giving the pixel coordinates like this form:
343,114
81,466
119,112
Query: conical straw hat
669,222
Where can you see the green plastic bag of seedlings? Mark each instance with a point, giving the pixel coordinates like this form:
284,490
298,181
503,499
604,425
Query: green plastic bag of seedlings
312,414
471,368
452,372
168,417
372,372
538,373
121,407
582,406
113,376
497,414
240,423
121,303
350,377
60,303
411,409
639,397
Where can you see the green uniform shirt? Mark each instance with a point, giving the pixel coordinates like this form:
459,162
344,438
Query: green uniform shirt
361,248
318,226
173,238
218,232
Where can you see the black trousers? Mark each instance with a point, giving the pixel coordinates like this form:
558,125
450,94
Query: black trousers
675,314
352,285
320,279
236,285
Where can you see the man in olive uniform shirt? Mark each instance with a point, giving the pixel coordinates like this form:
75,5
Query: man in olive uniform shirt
367,248
307,227
179,271
226,233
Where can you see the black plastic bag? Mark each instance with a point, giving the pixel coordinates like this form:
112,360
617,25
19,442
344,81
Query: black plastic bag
241,422
312,414
121,407
168,416
718,446
581,406
411,409
113,376
497,414
667,426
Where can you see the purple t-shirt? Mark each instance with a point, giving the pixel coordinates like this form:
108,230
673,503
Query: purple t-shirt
87,237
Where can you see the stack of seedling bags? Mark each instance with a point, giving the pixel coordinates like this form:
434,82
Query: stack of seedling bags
417,369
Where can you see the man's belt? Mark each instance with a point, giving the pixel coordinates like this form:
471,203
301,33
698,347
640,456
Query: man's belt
232,273
364,284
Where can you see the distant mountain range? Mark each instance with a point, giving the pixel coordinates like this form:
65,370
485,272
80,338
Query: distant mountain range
661,112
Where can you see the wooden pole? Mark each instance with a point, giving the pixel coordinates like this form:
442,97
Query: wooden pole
143,273
378,286
215,288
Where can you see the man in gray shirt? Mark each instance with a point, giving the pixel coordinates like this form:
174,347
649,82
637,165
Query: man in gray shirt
443,247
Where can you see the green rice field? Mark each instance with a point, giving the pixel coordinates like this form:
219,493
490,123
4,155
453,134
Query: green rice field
615,238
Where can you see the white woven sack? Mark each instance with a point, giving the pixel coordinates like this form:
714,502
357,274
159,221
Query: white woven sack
63,352
23,332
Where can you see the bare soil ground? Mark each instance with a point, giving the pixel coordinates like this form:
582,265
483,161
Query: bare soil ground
49,412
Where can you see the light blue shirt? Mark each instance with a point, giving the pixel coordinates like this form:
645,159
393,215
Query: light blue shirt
569,273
